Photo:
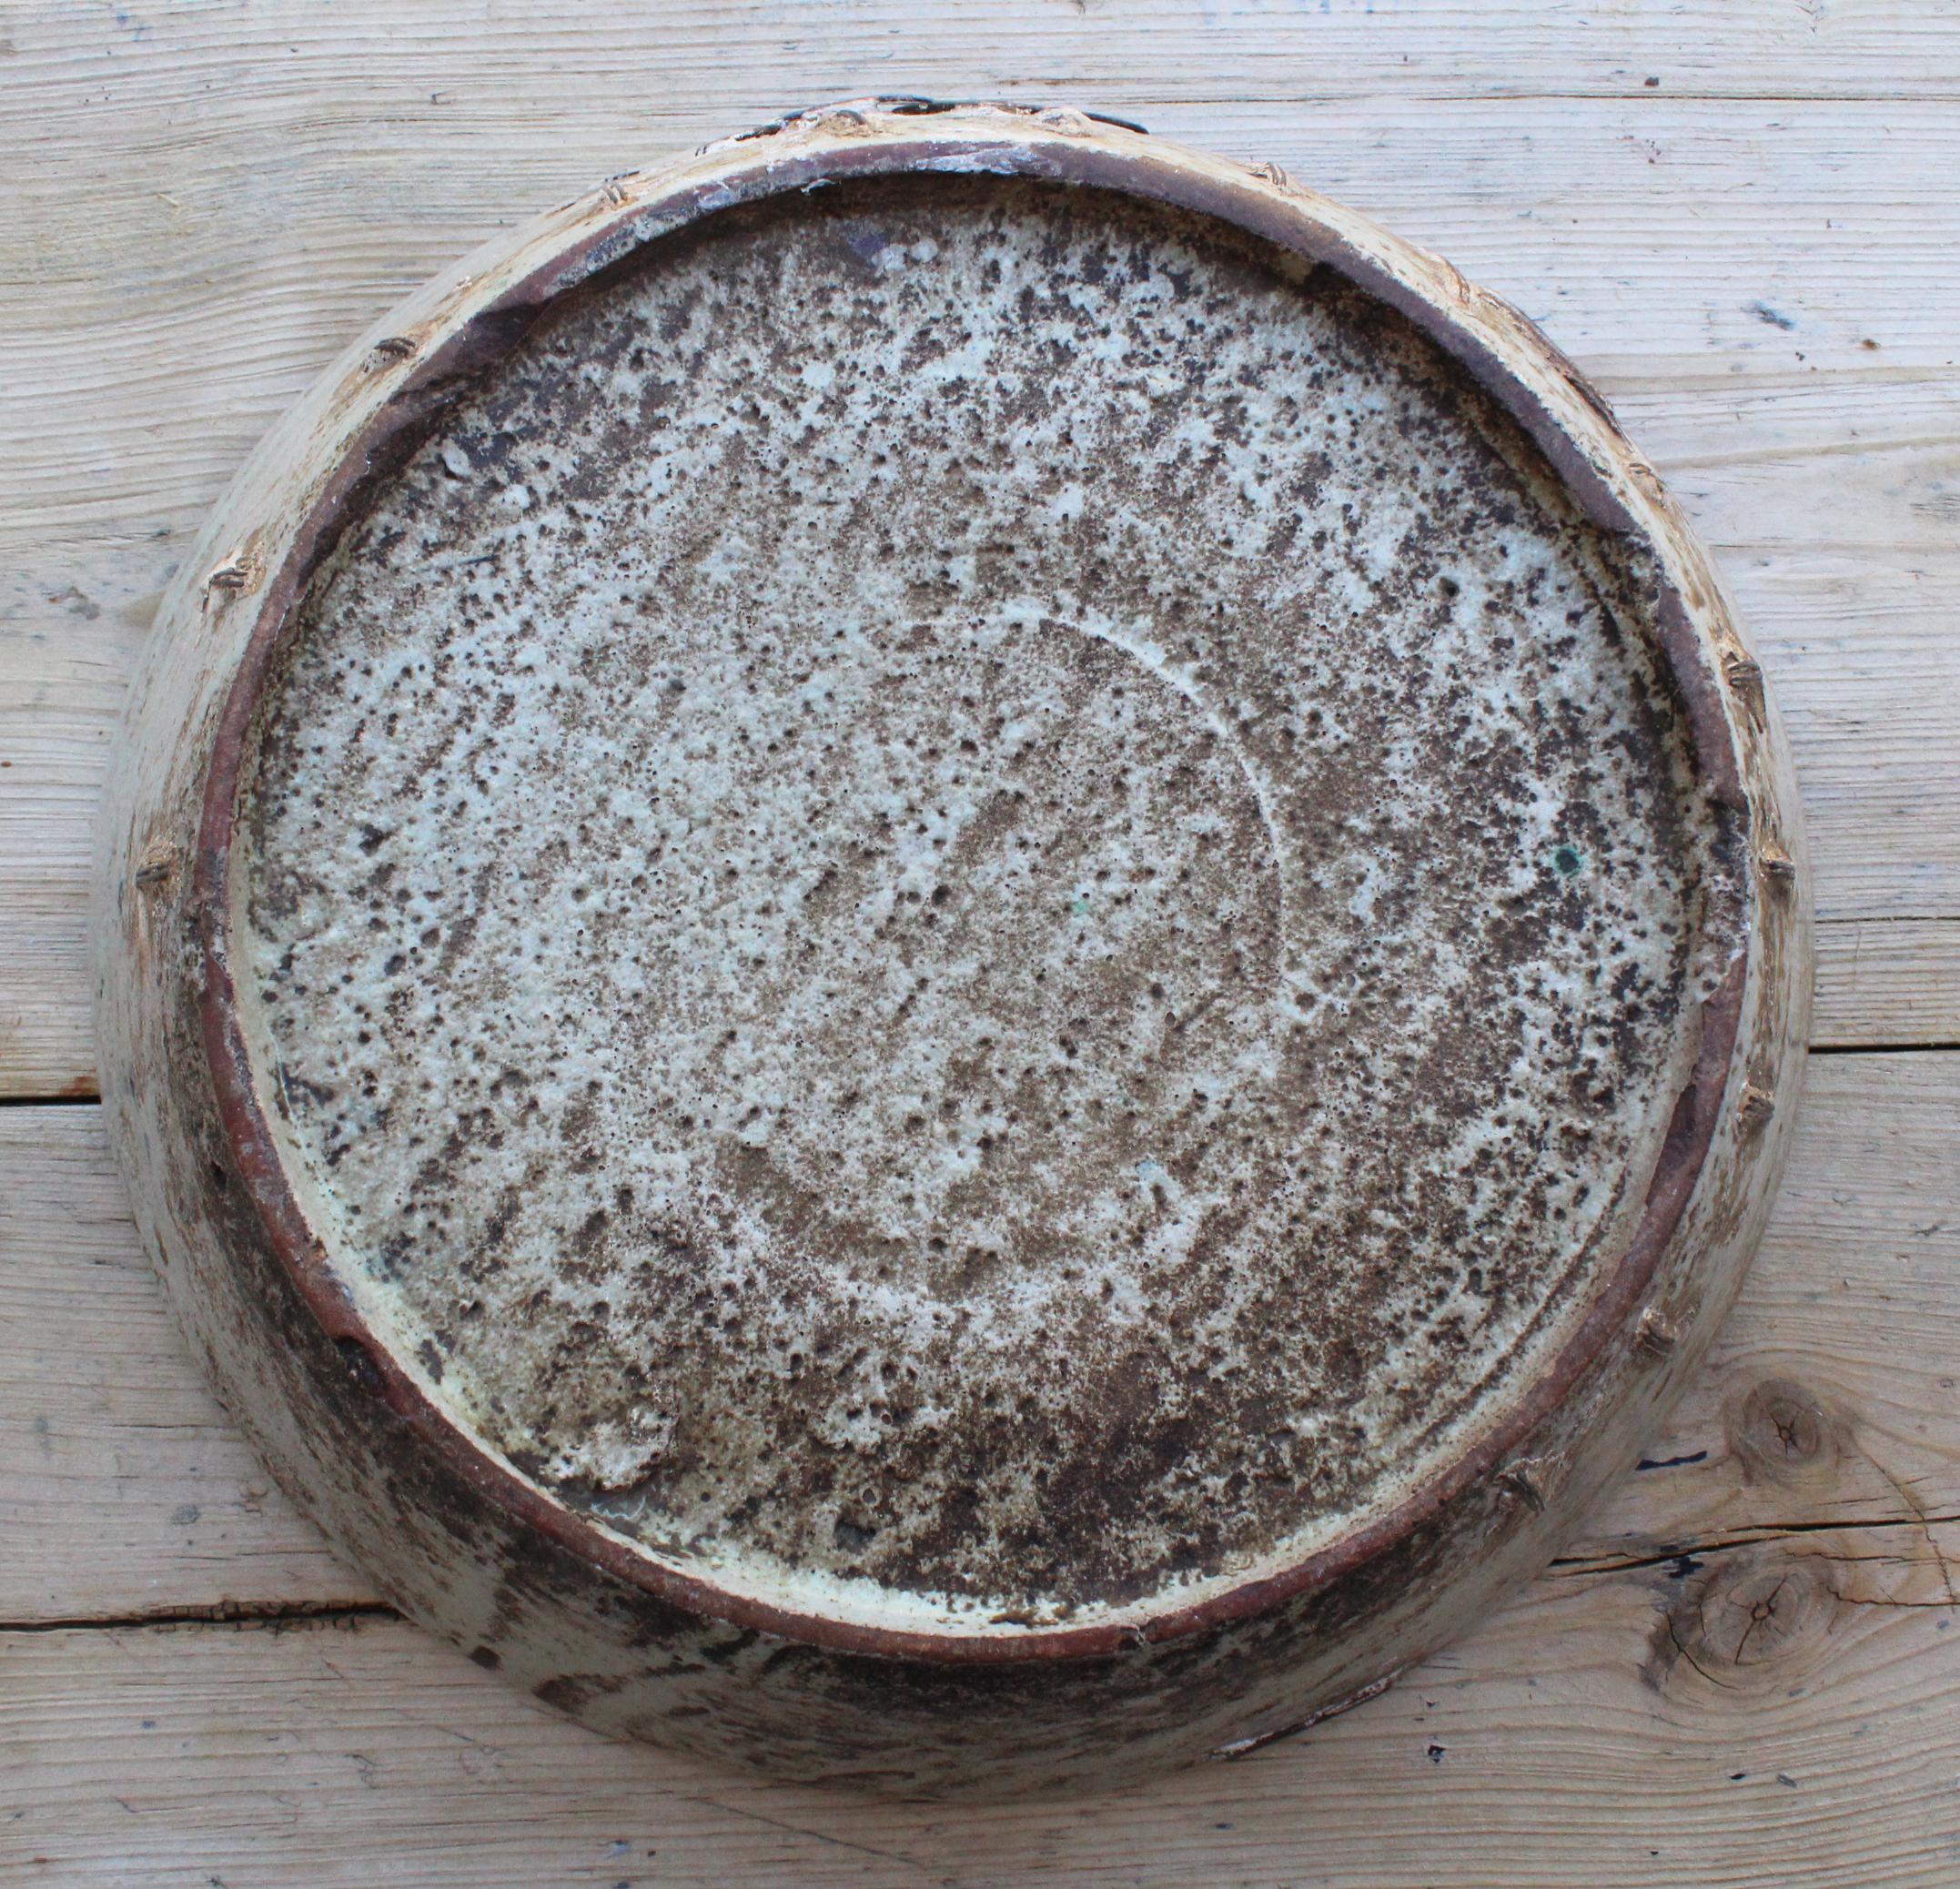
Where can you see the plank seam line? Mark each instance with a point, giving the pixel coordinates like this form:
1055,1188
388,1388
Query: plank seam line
1566,1565
1110,91
1882,1049
220,1615
329,1612
1942,1047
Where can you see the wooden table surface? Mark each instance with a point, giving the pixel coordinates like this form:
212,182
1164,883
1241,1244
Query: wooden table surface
1744,221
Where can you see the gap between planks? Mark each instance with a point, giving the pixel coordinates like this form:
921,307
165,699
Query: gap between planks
1789,1717
288,1613
1823,1405
76,1096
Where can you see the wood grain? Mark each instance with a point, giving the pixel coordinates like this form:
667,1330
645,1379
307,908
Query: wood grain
1903,971
1718,1686
1784,1713
1746,1672
138,1496
1862,654
483,59
1786,1695
1740,254
124,1486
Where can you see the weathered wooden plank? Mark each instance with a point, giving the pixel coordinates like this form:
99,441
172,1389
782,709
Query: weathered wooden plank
1653,240
476,56
124,1486
1862,653
126,1490
1783,1713
1858,637
1865,664
1830,1393
1704,256
1900,976
203,204
1865,465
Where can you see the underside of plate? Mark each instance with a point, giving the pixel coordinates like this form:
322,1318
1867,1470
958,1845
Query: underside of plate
950,950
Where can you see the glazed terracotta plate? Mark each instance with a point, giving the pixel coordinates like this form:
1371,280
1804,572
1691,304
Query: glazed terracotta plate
950,951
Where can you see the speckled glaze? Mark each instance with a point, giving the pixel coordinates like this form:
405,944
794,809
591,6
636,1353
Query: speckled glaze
950,952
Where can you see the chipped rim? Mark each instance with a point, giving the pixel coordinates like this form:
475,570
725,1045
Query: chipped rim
884,137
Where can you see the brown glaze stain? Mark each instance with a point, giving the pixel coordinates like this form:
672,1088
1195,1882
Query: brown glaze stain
970,898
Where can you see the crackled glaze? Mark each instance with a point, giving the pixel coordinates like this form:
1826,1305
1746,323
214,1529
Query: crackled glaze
977,904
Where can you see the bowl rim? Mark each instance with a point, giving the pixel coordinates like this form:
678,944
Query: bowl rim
1504,352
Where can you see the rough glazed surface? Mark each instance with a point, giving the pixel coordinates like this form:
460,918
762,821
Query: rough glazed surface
971,901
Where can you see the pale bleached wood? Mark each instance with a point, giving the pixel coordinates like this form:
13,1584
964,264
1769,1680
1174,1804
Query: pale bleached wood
1847,1333
1591,1732
1784,1713
226,252
1862,655
128,1492
124,1486
478,56
220,255
231,254
1860,646
203,204
1898,974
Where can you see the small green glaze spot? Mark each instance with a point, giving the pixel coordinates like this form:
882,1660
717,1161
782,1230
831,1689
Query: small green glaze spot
1569,860
1080,905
